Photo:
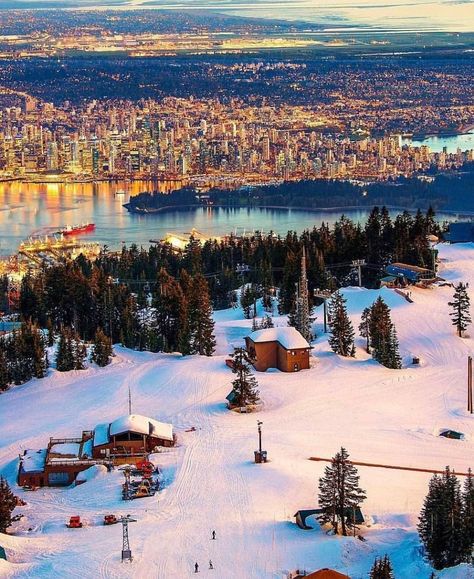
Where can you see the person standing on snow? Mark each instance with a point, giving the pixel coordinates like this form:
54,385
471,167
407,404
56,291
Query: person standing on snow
211,566
196,568
213,535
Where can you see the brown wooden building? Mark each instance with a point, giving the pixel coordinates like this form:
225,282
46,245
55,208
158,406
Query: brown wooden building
125,440
283,348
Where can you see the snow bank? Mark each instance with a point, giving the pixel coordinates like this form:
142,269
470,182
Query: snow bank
91,473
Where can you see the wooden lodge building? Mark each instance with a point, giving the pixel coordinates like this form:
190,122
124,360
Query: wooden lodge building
283,348
126,440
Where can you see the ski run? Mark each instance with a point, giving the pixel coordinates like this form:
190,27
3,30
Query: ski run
209,479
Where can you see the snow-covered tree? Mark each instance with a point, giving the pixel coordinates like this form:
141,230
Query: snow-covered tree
339,493
341,339
244,384
460,314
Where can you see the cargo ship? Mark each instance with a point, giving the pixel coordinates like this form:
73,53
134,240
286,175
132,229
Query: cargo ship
77,229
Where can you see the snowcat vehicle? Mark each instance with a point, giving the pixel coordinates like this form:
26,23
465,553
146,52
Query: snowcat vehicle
74,523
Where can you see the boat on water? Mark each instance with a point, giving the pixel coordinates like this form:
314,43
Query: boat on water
77,229
119,193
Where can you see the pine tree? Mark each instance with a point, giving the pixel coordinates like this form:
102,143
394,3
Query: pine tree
339,493
245,384
50,333
441,527
364,327
383,338
299,316
201,323
5,379
468,509
130,325
171,310
460,315
8,502
71,352
247,301
342,332
102,351
382,569
79,352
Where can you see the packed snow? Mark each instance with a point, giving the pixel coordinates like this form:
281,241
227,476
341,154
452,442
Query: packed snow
209,481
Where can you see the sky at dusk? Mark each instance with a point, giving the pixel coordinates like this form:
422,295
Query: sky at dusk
452,15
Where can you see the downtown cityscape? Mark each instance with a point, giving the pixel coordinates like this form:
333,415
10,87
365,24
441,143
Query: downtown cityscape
236,260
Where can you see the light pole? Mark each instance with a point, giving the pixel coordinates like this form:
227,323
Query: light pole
259,425
260,455
323,295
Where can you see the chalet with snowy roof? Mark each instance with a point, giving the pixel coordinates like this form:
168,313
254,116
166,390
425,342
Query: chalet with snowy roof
283,348
126,440
131,435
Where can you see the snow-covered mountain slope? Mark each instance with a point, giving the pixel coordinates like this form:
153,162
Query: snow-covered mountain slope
379,415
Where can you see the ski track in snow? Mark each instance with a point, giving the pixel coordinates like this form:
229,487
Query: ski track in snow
209,480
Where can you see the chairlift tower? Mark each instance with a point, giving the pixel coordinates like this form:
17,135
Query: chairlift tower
126,551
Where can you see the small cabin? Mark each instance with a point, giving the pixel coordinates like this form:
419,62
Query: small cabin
283,348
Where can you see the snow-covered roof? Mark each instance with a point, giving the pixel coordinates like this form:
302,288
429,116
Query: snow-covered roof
141,425
288,337
101,434
34,460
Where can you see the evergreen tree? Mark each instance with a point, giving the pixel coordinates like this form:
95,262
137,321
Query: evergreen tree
299,316
441,527
171,309
287,293
247,301
339,493
26,354
364,327
102,351
50,333
7,504
201,323
131,335
460,315
245,384
71,352
468,509
342,332
383,338
382,569
4,371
